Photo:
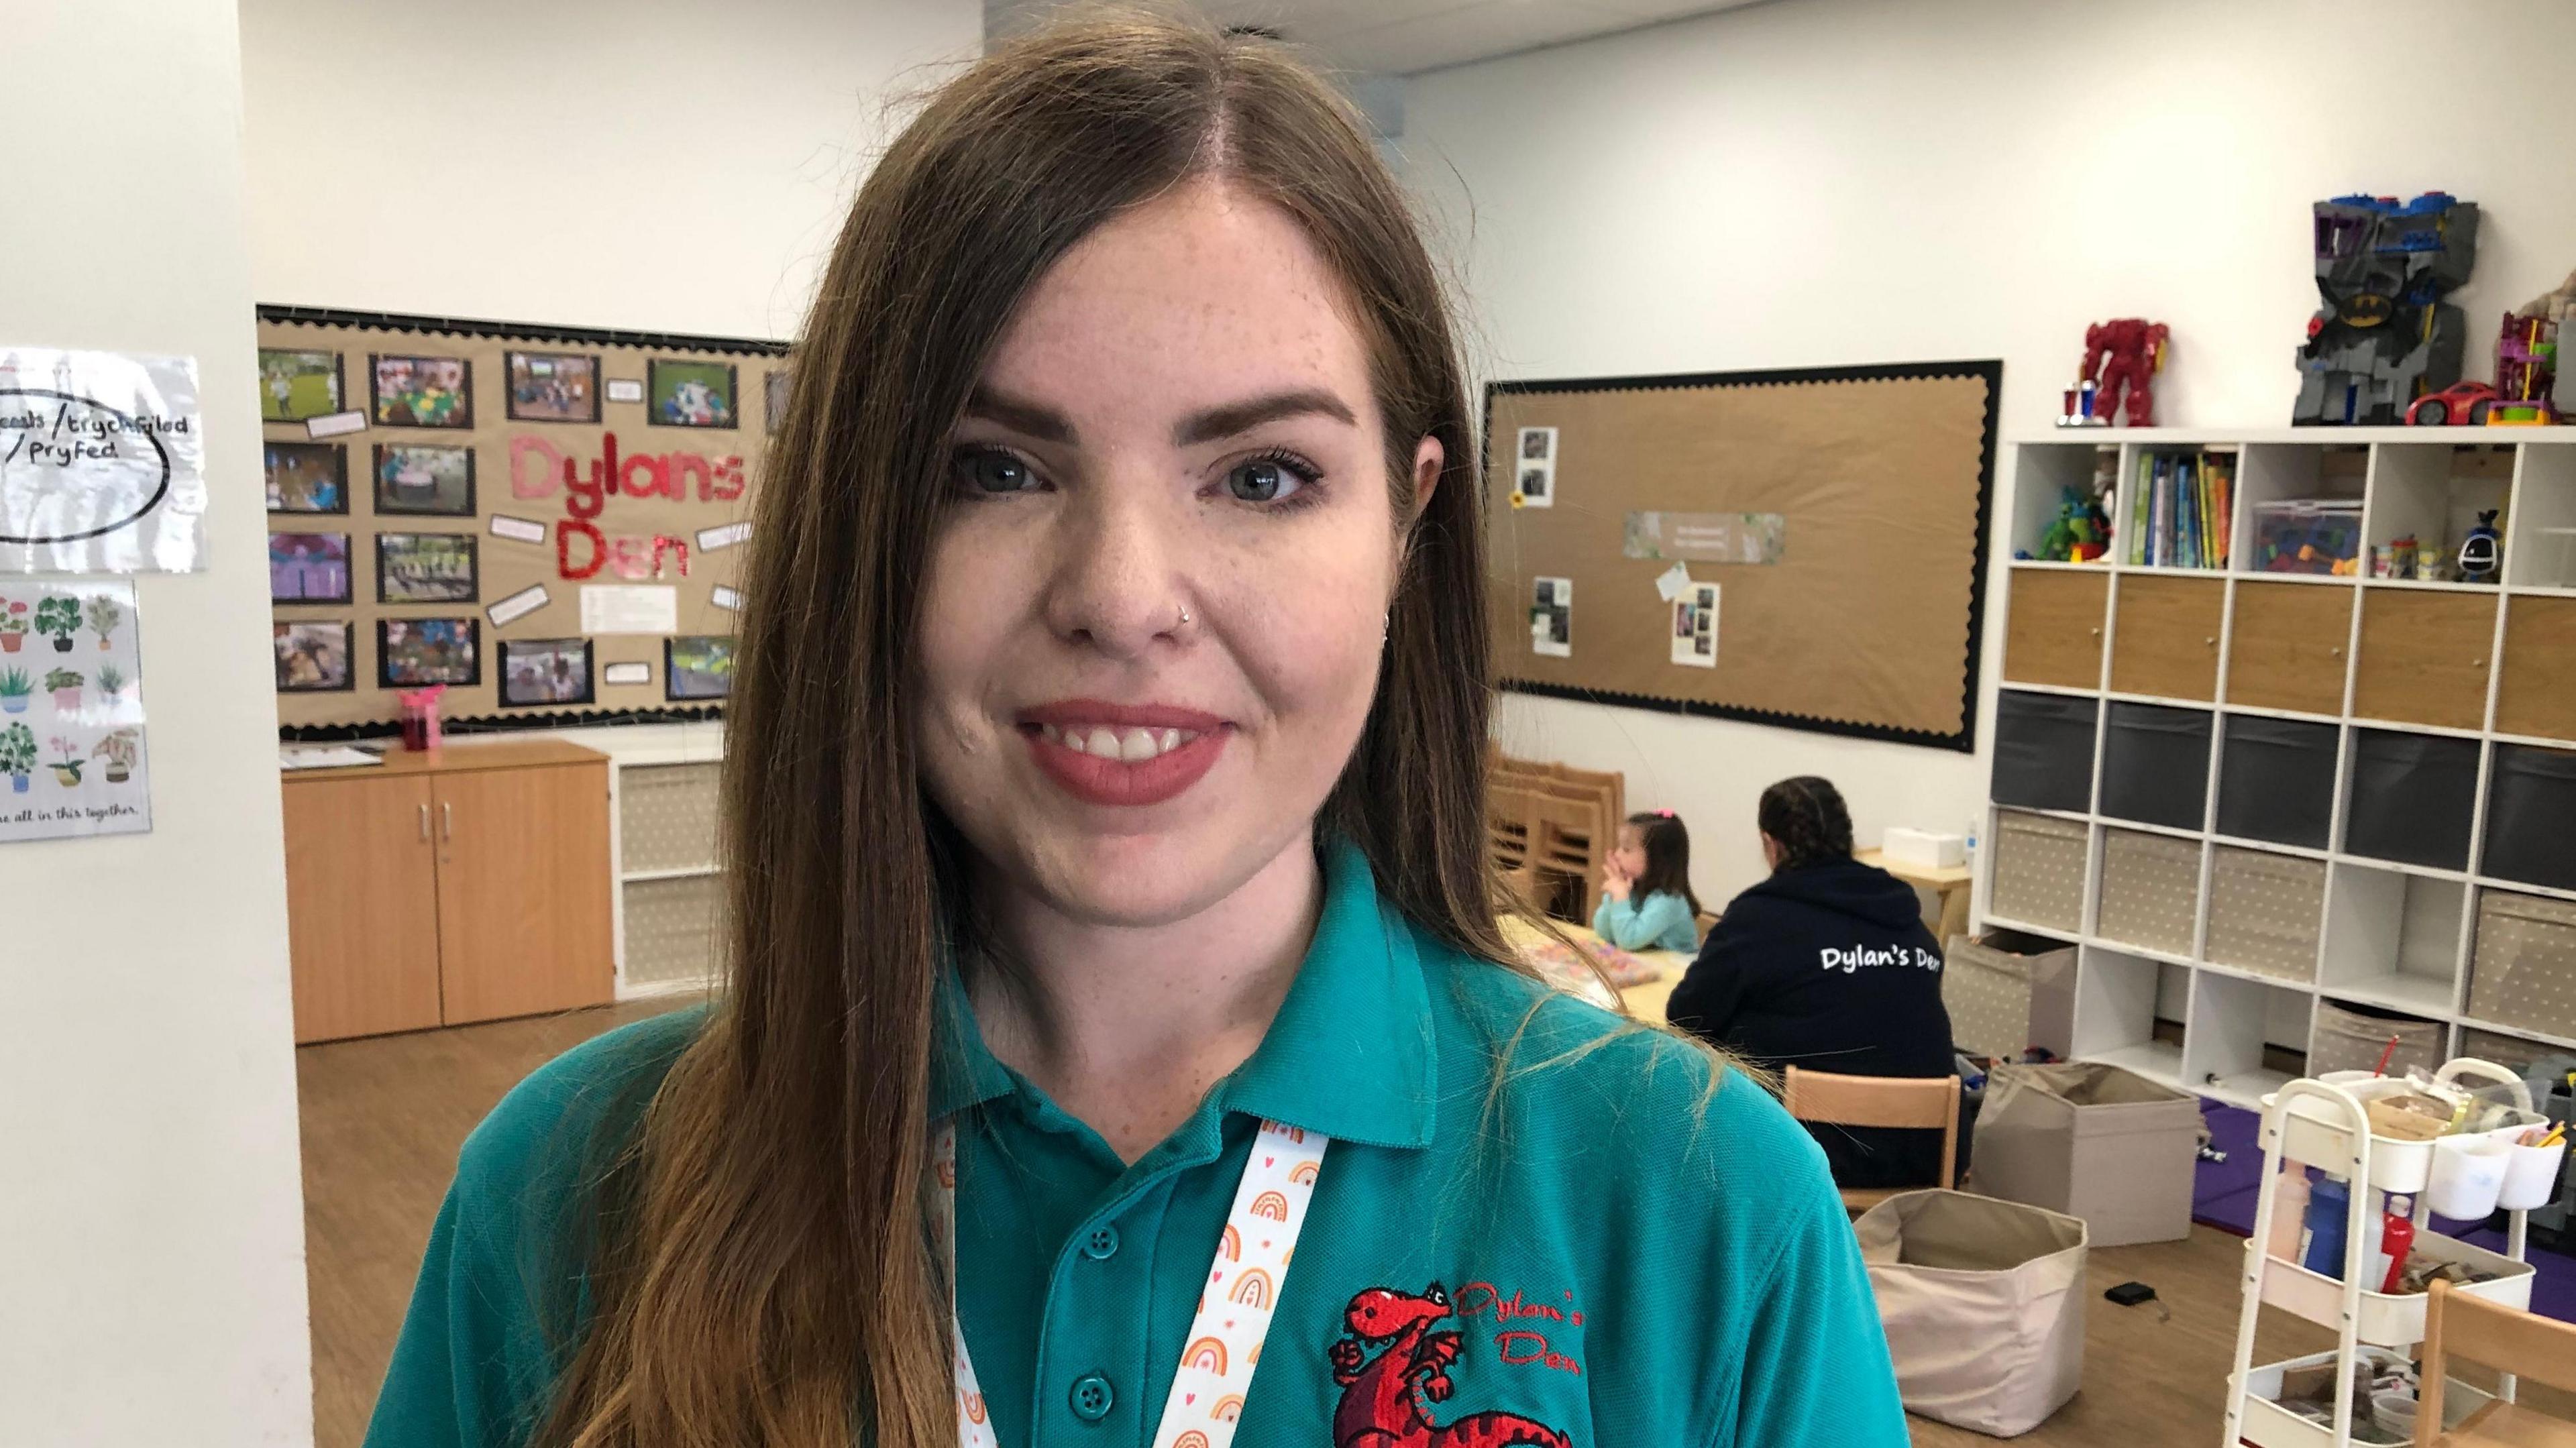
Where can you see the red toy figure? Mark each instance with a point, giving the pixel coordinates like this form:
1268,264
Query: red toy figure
2128,351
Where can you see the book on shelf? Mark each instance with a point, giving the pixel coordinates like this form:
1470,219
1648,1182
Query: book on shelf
2181,511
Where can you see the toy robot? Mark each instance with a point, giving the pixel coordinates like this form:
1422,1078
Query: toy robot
2482,552
2129,352
2384,338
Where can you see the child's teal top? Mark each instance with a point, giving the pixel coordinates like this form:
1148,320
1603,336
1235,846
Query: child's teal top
1662,921
1625,1258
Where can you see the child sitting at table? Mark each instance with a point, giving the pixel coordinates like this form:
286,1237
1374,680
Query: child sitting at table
1646,899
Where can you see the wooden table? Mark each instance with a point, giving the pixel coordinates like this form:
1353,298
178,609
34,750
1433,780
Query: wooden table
1950,886
1646,1002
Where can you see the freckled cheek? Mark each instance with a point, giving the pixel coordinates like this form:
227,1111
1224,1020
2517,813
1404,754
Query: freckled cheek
967,606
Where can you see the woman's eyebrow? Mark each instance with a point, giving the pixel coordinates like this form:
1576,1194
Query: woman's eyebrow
1029,418
1240,417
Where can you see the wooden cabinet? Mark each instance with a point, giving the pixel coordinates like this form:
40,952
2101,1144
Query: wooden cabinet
2423,657
2053,632
2538,697
430,890
2286,646
2165,641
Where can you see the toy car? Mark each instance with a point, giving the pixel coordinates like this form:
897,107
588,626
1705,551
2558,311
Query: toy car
2462,404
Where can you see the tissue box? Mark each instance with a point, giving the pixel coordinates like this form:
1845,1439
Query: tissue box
1923,848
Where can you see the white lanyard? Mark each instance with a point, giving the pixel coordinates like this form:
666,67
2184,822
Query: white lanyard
1244,1280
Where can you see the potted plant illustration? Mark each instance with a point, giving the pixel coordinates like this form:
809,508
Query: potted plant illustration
58,618
112,682
120,750
13,626
17,756
15,686
68,768
104,615
65,686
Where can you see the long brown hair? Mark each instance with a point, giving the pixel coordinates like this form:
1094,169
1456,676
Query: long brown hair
1666,841
757,1267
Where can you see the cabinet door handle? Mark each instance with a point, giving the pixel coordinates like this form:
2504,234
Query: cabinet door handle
2335,651
424,824
446,822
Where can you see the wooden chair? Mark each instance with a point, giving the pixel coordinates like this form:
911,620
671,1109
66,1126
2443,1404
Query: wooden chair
2508,1340
1920,1103
1570,843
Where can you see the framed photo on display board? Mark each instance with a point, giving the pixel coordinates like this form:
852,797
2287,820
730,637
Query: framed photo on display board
307,477
308,568
426,568
313,658
413,653
297,385
421,391
539,672
429,479
553,387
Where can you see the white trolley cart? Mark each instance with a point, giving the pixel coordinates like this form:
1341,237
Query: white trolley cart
2325,1124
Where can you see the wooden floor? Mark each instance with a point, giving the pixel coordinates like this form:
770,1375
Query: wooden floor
383,1119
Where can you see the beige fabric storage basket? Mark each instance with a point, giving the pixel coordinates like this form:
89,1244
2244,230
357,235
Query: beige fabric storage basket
2092,1141
2038,870
2265,912
2523,972
2150,890
2005,991
2347,1040
666,816
674,928
1983,1303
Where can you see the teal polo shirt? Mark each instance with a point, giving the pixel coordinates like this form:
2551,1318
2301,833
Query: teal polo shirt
1625,1258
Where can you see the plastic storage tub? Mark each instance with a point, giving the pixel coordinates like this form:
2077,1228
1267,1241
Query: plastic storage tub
2308,535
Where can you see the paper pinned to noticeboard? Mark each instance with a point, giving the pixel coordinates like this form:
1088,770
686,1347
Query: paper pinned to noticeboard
1695,627
1673,582
1552,618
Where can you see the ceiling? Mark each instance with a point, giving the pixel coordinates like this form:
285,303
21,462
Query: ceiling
1403,37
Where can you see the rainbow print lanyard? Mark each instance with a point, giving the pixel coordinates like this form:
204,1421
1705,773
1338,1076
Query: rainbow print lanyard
1244,1280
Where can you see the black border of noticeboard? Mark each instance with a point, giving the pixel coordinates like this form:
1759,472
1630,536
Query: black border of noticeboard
1965,739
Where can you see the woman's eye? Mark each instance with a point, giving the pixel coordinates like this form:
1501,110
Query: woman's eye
988,472
1263,480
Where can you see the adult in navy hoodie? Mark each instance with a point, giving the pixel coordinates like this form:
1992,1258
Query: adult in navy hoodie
1826,965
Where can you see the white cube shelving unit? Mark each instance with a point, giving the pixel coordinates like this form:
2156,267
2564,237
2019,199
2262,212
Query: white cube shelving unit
2387,935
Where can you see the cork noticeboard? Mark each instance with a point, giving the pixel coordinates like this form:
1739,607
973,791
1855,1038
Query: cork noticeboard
1840,514
547,520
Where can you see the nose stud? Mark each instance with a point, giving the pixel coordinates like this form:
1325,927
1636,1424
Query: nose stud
1185,616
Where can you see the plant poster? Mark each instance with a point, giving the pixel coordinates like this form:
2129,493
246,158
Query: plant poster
102,463
71,710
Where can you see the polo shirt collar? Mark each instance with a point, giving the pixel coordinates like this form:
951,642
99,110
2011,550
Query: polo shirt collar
1351,1053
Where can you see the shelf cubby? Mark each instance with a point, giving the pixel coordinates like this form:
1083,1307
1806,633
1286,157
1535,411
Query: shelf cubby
2410,797
2422,656
2393,939
2155,765
2116,996
2287,472
2536,690
2266,912
2522,968
2238,1034
2276,779
2053,626
2540,527
2433,492
2288,646
2165,635
2149,893
2531,816
2044,750
2052,470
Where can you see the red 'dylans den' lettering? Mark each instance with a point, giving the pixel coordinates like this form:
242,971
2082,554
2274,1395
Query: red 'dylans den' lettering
582,548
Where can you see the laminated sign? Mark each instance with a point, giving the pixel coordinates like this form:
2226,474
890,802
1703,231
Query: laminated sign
102,463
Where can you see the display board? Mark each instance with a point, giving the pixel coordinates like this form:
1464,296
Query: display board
1801,548
546,520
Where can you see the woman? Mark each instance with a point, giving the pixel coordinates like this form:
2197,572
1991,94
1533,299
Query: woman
1104,807
1826,965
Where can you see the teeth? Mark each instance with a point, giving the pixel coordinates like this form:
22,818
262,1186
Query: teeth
1133,746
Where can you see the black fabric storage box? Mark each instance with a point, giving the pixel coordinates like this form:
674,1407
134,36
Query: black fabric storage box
2276,780
2044,751
2531,816
2412,798
2155,765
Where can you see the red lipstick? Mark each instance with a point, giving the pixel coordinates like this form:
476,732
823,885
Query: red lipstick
1061,736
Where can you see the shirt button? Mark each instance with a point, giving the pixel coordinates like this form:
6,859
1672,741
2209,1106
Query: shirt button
1102,1244
1092,1397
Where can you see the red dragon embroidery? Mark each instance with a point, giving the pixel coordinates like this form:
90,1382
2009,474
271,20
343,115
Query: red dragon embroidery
1382,1396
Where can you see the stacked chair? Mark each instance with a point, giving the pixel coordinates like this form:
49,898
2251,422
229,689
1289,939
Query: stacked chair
1550,828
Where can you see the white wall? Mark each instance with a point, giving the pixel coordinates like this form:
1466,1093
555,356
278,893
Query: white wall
151,1222
650,164
1827,182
